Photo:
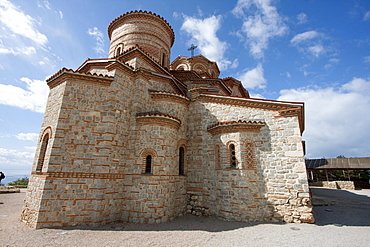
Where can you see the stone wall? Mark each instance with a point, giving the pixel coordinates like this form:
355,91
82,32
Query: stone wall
346,185
274,189
93,169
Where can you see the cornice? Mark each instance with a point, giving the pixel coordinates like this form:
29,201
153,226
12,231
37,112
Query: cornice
284,109
250,126
158,118
249,102
65,74
169,97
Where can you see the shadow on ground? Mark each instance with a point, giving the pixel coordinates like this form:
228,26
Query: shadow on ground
187,222
341,207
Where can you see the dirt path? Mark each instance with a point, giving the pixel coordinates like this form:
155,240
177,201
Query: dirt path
195,231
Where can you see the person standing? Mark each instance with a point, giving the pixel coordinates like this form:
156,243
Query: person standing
2,176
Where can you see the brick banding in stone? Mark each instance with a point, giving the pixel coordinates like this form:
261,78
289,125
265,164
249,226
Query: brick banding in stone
119,19
170,97
80,175
160,119
235,126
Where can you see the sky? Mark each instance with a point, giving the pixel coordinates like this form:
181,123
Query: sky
311,51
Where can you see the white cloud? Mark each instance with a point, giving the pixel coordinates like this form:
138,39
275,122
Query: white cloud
9,156
99,40
337,119
309,42
316,50
34,98
261,22
33,148
304,69
332,62
20,23
253,78
18,50
367,59
47,5
203,34
367,16
15,163
302,18
28,136
304,37
358,85
235,64
256,96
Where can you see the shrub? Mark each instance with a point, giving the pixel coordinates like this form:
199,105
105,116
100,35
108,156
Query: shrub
20,182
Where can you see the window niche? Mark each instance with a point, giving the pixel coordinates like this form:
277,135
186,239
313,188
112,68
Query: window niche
232,155
148,157
119,50
43,149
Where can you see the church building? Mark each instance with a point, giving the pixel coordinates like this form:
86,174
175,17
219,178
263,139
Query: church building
136,138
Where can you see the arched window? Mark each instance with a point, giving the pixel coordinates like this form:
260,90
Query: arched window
148,164
181,161
163,59
118,52
232,154
147,160
119,49
44,145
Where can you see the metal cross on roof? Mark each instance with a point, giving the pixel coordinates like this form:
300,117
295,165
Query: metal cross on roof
192,48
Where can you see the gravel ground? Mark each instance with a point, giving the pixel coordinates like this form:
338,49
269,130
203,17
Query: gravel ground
342,219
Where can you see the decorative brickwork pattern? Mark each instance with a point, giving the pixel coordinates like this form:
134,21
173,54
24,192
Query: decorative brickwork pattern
250,155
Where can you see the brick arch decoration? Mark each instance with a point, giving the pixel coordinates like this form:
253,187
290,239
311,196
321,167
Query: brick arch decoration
199,68
45,138
182,67
119,49
250,160
143,154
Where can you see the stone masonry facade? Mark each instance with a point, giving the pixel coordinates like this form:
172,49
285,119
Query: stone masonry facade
135,138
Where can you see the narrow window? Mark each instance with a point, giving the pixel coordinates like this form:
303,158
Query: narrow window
148,164
232,155
118,51
44,145
163,59
181,161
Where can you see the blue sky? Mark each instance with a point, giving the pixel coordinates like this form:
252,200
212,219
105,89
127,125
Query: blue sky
311,51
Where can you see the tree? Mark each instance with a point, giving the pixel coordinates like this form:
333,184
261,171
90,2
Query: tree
20,182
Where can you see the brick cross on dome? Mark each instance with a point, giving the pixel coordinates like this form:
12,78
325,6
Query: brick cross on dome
192,48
